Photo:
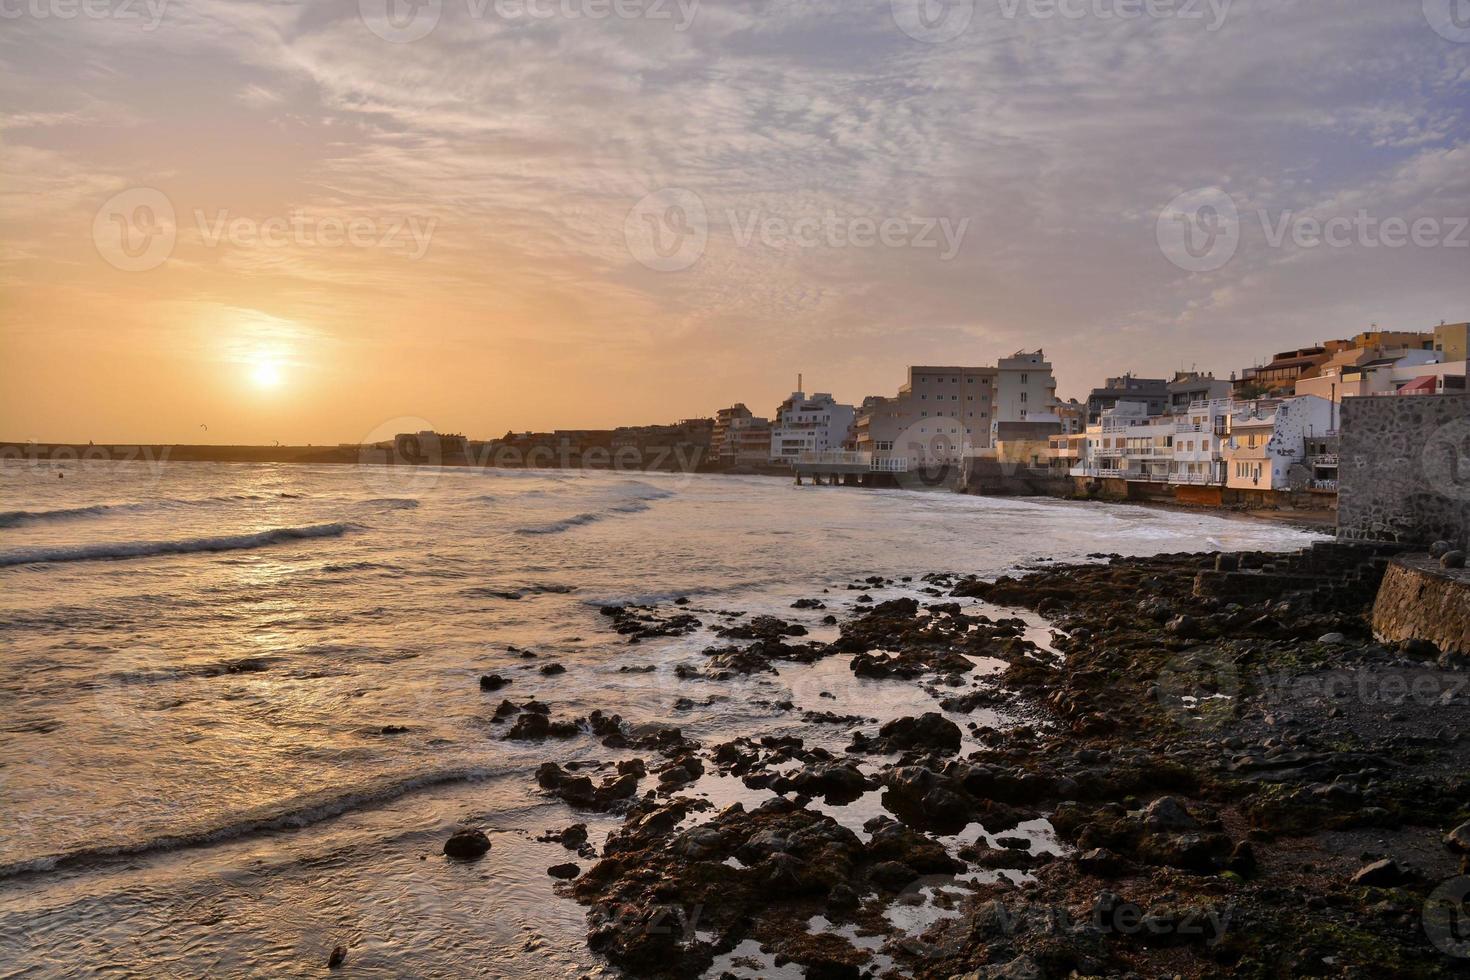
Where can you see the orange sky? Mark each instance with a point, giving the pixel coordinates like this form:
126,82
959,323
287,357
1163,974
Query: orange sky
178,195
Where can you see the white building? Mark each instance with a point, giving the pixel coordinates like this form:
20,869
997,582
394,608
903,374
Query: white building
1268,438
1199,442
809,425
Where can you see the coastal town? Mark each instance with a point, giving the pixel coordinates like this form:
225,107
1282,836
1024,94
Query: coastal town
1262,437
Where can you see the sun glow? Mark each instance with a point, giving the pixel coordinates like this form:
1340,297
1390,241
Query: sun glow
266,373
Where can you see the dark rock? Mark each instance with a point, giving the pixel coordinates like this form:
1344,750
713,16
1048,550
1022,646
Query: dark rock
930,731
552,669
1167,813
1452,559
1101,862
1458,840
1382,874
467,845
337,957
492,682
564,871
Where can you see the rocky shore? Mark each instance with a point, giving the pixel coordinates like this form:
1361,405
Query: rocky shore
1197,787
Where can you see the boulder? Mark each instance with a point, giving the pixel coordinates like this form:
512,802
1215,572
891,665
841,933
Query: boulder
930,731
467,845
1381,874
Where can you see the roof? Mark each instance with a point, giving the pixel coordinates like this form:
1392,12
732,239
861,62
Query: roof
1427,383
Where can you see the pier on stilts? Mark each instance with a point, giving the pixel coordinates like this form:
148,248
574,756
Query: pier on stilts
853,469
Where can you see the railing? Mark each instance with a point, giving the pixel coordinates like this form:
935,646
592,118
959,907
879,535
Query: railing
1324,459
1326,486
856,460
1196,479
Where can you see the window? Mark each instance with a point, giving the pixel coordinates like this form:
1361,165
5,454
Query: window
1024,378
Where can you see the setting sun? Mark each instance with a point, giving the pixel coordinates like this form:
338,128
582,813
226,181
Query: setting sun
266,374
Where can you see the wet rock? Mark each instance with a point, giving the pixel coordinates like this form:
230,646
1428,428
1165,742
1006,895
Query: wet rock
930,732
565,871
1101,862
646,622
492,682
1020,968
763,628
1452,559
467,845
532,726
337,958
1167,813
1185,627
552,669
837,784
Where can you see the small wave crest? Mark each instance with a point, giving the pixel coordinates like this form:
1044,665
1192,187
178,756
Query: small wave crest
392,503
559,527
301,812
148,549
21,518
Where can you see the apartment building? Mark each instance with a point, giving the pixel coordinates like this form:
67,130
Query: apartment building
1199,438
1189,387
1267,444
1452,342
944,412
1267,441
740,437
1152,393
809,425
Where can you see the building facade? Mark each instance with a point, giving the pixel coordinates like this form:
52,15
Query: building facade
809,425
944,413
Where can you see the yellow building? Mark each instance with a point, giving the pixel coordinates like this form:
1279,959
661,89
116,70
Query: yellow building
1451,341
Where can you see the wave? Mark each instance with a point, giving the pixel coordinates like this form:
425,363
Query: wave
147,549
392,503
302,812
558,527
20,518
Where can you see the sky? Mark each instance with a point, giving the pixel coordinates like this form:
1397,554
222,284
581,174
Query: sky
235,221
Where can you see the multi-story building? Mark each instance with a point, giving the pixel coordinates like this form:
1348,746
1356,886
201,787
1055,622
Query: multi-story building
740,437
1267,439
1355,374
1152,393
809,425
1189,387
1199,438
1452,342
1025,390
1278,377
944,412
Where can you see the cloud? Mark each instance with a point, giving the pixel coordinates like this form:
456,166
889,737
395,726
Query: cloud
527,141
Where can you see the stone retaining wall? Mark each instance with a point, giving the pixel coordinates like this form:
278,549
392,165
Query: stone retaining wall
1418,600
1404,473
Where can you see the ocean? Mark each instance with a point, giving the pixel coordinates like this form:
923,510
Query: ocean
240,703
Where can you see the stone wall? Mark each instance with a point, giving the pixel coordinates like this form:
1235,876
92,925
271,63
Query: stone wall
1405,469
1418,600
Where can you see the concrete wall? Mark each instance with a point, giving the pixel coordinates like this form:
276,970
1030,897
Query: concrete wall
1405,470
1421,601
